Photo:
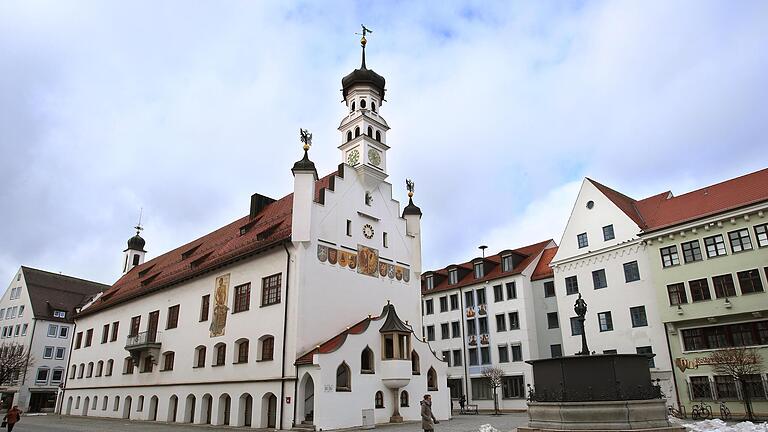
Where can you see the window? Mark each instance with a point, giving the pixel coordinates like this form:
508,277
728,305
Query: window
501,323
221,354
455,330
457,358
53,329
128,366
669,256
42,375
384,239
608,233
343,378
480,389
479,270
724,286
444,304
430,282
473,360
498,293
205,305
366,361
469,299
639,319
725,336
556,350
16,330
582,240
24,329
148,364
113,336
552,321
79,340
691,251
105,333
110,365
21,311
761,233
88,337
506,263
598,279
447,357
57,376
549,289
243,348
503,354
571,285
472,326
513,387
517,352
699,290
676,293
429,306
48,352
715,246
135,323
403,396
485,355
454,301
99,368
349,222
511,290
430,333
481,296
72,372
60,351
647,350
270,293
700,388
379,399
453,276
168,359
173,317
242,298
514,321
631,272
445,331
749,281
605,321
267,348
483,324
726,387
610,351
414,363
431,379
200,356
740,240
753,385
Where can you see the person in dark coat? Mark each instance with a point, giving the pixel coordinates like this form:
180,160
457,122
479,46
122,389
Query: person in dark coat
427,419
462,402
12,417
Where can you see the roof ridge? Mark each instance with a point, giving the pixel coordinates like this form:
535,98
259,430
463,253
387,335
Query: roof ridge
62,275
630,201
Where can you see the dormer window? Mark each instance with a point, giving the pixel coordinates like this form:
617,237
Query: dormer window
453,276
506,263
59,314
479,270
430,282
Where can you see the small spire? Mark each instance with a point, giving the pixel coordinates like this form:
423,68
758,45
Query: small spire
138,226
305,164
363,42
411,208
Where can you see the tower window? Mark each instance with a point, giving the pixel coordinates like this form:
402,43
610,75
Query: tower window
349,227
378,136
362,103
384,238
349,135
135,259
357,131
353,106
373,106
370,131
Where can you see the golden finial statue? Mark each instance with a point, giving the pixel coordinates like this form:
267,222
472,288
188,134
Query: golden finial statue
306,138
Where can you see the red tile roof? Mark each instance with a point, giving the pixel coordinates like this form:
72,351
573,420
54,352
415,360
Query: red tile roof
269,228
543,270
528,253
337,341
666,210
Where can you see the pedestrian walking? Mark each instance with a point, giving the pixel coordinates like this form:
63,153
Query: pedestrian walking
427,419
462,402
12,417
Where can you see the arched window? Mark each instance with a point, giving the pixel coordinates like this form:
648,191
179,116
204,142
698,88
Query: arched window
366,361
77,402
110,365
362,103
415,368
221,353
353,106
349,135
81,370
379,399
99,368
117,403
140,405
200,356
242,351
343,378
72,372
168,359
373,106
90,370
378,136
370,131
404,398
267,348
357,131
95,403
128,363
431,379
104,404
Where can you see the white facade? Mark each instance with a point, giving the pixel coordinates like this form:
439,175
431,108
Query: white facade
613,277
349,254
499,322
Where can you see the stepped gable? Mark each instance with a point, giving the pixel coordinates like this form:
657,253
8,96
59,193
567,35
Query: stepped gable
52,291
528,253
543,270
240,239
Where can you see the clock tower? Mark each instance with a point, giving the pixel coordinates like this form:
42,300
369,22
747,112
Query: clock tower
363,129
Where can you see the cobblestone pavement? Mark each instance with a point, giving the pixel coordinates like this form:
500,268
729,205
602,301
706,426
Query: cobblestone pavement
53,423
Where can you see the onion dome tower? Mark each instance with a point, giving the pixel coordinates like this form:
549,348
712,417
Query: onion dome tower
363,129
134,254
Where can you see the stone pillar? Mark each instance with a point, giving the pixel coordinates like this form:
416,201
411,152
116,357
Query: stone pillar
396,417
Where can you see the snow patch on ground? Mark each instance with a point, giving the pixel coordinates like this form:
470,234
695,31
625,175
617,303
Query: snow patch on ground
717,425
487,428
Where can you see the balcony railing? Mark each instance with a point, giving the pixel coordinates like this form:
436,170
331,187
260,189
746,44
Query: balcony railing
142,340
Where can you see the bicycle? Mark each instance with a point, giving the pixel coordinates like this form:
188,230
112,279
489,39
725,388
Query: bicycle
701,410
679,413
725,413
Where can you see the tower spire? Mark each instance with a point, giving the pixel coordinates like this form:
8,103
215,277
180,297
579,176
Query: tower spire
363,42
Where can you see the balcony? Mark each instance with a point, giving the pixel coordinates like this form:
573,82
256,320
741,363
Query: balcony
144,342
396,373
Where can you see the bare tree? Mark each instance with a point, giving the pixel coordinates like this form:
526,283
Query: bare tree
741,364
14,362
494,377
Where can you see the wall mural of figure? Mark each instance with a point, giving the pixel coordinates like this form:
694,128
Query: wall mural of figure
220,308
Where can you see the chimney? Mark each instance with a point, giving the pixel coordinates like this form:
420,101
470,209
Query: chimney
258,202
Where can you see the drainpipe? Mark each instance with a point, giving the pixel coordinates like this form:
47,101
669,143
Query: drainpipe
464,346
285,331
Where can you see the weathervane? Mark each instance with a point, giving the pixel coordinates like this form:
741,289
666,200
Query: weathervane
138,226
409,185
366,30
306,138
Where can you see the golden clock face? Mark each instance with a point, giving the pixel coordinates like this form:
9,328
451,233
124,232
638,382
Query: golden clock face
353,157
368,231
374,156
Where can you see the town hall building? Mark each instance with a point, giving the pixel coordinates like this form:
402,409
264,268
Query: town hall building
303,313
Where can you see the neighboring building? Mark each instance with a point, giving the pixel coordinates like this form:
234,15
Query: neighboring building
708,251
493,311
36,313
262,323
602,258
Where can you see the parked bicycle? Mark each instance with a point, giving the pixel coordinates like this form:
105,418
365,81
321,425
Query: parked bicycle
701,411
725,413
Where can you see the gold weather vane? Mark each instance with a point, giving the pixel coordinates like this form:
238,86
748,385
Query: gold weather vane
366,30
306,138
410,186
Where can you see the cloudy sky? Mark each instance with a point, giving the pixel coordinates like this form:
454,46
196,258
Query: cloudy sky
498,111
